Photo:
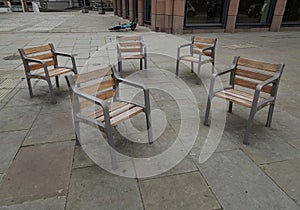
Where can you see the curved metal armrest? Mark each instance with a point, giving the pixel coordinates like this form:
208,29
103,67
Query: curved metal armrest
267,82
226,71
260,86
184,45
63,54
88,97
128,82
35,60
213,78
208,48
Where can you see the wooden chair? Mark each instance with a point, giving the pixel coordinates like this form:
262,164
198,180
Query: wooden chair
96,101
41,63
129,48
202,51
252,84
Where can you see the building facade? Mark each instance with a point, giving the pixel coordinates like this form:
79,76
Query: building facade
192,16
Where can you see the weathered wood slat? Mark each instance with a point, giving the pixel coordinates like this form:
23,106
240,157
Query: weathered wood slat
113,106
190,59
203,40
43,56
125,115
36,66
92,75
130,44
252,74
257,64
104,95
37,49
207,53
57,71
239,97
117,112
130,50
99,86
201,46
251,85
129,38
127,57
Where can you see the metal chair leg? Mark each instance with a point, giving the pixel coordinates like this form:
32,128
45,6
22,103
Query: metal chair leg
212,67
270,115
111,142
51,91
149,127
198,75
141,64
29,87
208,106
57,81
177,68
77,133
120,67
145,63
249,126
230,107
192,67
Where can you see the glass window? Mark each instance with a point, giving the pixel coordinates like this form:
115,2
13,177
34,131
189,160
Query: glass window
147,13
292,12
254,12
199,12
121,7
127,8
135,8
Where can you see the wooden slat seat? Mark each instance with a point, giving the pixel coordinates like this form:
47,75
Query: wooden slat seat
96,101
57,71
195,59
202,51
128,57
237,96
253,84
33,59
129,48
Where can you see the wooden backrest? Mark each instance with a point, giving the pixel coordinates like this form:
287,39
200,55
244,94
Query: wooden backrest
98,83
249,73
44,52
130,44
201,43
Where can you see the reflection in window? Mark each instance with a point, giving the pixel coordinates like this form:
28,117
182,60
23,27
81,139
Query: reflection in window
147,17
255,11
204,12
292,12
135,8
127,8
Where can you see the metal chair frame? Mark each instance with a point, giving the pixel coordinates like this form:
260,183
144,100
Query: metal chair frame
47,56
269,85
105,107
129,48
202,51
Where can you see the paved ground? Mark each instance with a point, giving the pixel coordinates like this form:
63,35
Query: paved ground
41,168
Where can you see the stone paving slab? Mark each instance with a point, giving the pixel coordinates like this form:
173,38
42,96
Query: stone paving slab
56,203
94,188
184,191
19,118
38,172
239,184
286,176
81,159
10,143
45,129
295,143
264,148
